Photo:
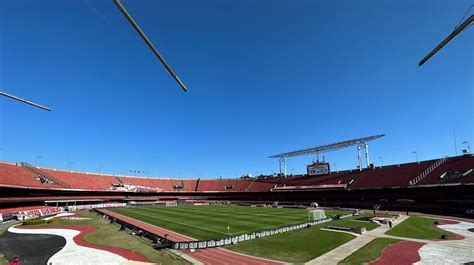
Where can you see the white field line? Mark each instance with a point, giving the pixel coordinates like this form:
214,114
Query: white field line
211,230
171,221
252,221
288,221
249,213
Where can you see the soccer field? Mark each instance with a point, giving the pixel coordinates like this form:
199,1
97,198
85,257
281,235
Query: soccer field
211,221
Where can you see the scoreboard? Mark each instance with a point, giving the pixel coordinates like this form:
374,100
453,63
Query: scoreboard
318,169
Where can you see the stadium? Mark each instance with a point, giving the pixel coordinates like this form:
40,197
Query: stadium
329,203
265,220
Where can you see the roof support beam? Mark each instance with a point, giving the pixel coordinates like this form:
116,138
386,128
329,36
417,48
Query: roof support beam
148,42
328,147
24,101
456,31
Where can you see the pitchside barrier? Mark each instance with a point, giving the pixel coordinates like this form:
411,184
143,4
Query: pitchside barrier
96,206
34,213
258,234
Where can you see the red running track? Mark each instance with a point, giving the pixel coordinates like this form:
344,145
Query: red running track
217,256
405,252
79,239
207,256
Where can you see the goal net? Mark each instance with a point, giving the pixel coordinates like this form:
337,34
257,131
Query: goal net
316,214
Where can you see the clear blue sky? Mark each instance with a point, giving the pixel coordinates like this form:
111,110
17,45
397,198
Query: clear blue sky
264,77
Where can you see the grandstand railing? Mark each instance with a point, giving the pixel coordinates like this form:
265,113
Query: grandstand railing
427,171
44,174
248,187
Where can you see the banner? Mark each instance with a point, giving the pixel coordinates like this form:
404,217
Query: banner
93,206
41,211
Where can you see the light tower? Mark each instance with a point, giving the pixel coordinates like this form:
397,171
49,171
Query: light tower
359,158
282,161
367,155
468,150
359,142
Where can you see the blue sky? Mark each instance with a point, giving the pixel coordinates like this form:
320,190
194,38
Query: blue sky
264,77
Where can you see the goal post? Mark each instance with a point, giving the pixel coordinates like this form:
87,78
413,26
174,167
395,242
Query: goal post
316,214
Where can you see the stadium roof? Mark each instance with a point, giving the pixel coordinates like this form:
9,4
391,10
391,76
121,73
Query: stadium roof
328,147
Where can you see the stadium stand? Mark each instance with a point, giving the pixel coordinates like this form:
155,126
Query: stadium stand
441,171
163,184
242,185
17,176
215,185
451,171
80,180
259,186
340,177
390,176
189,184
446,185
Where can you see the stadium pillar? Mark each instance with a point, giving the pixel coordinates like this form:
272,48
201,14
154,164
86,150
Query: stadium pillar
282,161
279,163
359,159
367,155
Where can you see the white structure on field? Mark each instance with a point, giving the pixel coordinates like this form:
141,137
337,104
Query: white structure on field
316,214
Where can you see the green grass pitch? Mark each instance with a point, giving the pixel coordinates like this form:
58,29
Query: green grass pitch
297,246
370,252
418,227
211,221
301,245
109,235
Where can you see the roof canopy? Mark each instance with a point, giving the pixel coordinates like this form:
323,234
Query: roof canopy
328,147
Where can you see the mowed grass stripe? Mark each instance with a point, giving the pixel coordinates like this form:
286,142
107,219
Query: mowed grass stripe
263,217
207,222
271,211
285,217
211,230
171,221
232,215
286,214
298,246
217,223
240,209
